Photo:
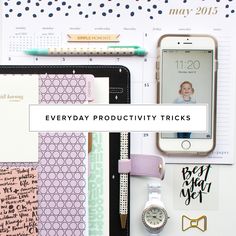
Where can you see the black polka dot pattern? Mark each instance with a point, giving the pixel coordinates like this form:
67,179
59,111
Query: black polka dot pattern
152,9
229,9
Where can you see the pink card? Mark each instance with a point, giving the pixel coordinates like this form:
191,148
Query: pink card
18,202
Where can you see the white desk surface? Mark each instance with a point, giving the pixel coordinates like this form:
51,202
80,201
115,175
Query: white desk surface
220,221
141,23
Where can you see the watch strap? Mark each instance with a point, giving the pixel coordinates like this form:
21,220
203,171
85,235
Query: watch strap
143,165
154,192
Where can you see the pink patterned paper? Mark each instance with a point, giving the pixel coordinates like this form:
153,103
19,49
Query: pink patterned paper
18,202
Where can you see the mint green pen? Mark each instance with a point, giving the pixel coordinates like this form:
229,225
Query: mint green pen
109,51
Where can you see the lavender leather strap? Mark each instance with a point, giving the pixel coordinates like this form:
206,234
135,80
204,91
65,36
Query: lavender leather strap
143,165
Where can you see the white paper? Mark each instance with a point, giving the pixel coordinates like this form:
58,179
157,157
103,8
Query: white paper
17,92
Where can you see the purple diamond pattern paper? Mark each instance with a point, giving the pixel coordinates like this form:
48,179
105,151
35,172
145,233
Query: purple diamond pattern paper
62,167
62,184
62,89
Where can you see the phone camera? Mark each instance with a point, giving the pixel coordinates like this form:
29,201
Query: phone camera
178,42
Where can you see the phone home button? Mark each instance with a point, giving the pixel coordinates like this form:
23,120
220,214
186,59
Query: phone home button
186,144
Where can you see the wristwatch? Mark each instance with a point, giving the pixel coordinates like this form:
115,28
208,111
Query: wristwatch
154,216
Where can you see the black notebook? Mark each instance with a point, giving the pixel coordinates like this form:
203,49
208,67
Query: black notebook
119,92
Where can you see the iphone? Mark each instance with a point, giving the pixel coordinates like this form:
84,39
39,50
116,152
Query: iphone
186,74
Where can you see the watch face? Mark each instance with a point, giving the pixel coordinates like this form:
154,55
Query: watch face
154,218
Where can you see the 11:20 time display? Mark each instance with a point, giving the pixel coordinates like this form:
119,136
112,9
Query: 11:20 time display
188,64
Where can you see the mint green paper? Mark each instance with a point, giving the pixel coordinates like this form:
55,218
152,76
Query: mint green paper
96,188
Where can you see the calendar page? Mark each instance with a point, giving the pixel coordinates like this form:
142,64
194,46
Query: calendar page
45,24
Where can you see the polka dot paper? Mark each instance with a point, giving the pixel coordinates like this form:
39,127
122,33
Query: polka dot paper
84,9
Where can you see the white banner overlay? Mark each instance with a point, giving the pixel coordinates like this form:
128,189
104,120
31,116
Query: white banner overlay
119,117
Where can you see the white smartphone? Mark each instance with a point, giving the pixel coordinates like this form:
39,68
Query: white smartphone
186,74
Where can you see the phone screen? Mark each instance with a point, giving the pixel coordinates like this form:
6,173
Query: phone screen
187,78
